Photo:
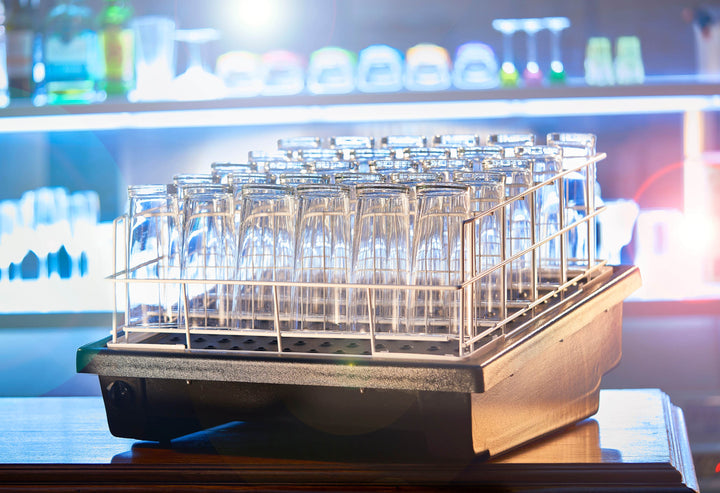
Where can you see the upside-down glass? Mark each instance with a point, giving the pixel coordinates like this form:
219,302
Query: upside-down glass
454,142
153,229
509,141
266,252
388,166
546,164
380,69
446,167
220,171
208,252
295,179
487,190
579,190
437,259
381,251
412,180
478,154
322,256
519,235
423,153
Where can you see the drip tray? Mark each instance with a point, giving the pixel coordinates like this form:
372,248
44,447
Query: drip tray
524,385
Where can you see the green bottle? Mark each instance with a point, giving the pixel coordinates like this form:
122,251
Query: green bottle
116,47
70,55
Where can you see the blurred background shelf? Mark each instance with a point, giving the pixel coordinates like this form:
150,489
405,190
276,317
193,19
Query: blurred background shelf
662,94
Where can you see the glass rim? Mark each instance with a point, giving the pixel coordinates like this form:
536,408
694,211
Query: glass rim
151,189
370,188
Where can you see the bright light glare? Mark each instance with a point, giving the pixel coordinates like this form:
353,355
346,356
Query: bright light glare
257,17
699,233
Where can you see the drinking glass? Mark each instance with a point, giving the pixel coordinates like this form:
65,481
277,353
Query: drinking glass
598,62
220,171
402,142
154,57
477,154
546,164
381,249
446,167
629,67
208,251
532,74
454,142
579,191
412,179
475,67
295,144
266,252
388,166
347,144
331,71
197,82
556,25
519,235
295,179
509,141
283,73
437,258
427,68
241,73
508,72
322,256
424,153
153,229
364,156
487,190
380,69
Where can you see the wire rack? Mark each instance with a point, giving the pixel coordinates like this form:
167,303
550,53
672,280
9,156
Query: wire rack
275,329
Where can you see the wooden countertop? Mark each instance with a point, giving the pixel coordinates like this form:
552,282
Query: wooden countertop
636,442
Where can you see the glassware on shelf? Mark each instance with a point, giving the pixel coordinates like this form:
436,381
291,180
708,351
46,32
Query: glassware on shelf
427,68
475,67
14,244
381,252
4,84
197,82
117,50
509,76
380,69
154,57
71,56
323,255
283,73
23,33
532,75
477,154
446,167
241,72
331,70
599,69
293,145
629,67
556,25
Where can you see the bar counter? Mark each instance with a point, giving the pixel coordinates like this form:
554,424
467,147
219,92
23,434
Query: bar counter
636,442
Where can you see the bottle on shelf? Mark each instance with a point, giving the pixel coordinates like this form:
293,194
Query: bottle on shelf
22,32
116,47
70,56
4,95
